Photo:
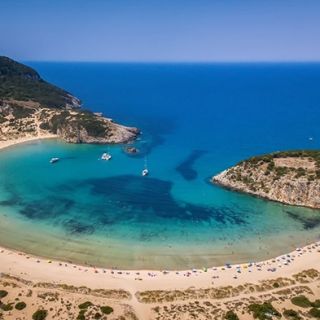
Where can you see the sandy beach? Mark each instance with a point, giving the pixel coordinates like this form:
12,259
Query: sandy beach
40,136
148,289
149,292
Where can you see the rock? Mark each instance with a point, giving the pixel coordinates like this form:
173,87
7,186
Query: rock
131,150
50,110
287,177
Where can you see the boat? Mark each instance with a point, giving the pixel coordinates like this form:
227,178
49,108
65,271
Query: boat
106,156
145,172
53,160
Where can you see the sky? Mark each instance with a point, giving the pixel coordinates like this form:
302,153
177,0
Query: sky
160,31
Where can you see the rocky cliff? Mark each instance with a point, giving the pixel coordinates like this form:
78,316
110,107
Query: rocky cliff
30,106
291,177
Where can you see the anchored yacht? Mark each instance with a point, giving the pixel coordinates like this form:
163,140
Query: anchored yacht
106,156
53,160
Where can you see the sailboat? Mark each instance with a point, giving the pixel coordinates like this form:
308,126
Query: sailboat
106,155
145,171
54,160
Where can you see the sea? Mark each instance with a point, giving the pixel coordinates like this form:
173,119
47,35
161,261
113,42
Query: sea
195,120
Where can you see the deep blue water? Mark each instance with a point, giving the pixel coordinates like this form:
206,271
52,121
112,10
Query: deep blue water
196,121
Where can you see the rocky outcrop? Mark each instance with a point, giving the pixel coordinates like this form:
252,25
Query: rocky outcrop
26,119
32,107
75,132
288,177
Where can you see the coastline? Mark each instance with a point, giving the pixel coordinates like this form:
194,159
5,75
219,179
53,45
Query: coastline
147,295
38,269
13,142
55,272
196,277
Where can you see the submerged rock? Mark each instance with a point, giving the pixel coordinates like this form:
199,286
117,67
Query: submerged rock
131,150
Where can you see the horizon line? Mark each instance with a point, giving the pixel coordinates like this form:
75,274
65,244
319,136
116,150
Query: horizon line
180,62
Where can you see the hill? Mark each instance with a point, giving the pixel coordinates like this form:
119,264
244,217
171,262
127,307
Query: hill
30,106
291,177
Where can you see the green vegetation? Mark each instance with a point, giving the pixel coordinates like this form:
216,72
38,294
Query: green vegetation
20,112
3,293
268,158
85,305
301,301
263,311
57,121
106,309
20,82
6,307
40,314
94,126
81,314
291,314
315,313
20,305
243,172
230,315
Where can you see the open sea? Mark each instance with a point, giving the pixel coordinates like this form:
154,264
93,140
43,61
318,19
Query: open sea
197,120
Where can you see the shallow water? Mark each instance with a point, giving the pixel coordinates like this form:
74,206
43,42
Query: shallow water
196,120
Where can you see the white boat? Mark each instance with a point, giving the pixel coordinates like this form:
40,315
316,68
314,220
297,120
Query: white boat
145,172
53,160
106,156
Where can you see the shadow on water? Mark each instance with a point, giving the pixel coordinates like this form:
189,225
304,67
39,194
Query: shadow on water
186,169
125,199
46,208
307,222
144,199
74,226
154,132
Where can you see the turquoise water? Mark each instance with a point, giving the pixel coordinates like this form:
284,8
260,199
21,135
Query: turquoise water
196,121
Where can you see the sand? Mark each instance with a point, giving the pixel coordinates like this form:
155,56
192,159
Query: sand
10,143
38,269
193,285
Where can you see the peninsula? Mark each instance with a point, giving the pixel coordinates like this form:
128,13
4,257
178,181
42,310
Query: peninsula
31,108
290,177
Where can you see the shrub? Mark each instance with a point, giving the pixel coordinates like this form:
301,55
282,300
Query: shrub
3,293
230,315
316,304
291,314
6,307
85,305
93,127
301,301
45,126
315,312
263,311
20,112
58,120
81,315
106,309
40,315
20,305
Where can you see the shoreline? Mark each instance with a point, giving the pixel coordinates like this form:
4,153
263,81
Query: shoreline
41,269
10,143
33,268
253,194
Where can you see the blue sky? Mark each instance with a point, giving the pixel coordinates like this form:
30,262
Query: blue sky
164,30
